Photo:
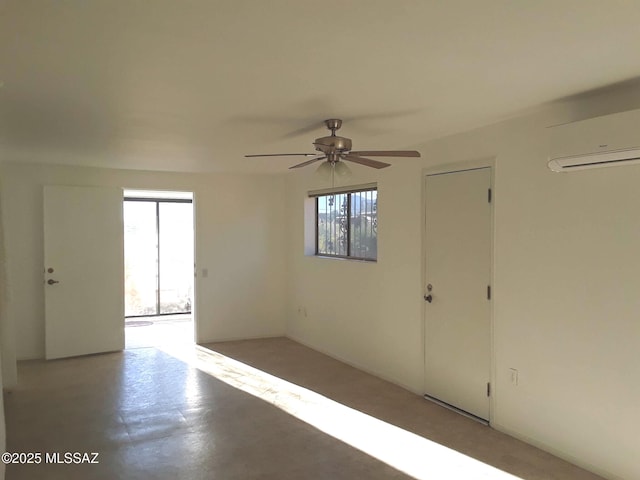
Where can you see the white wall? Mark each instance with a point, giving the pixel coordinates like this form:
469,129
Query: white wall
566,303
239,239
364,313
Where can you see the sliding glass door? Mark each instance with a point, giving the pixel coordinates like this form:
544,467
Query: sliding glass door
158,256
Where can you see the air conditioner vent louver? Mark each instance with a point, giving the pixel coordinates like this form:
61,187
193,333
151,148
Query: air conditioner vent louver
607,141
603,163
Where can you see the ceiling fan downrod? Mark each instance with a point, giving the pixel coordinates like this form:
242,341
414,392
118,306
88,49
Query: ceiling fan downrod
333,124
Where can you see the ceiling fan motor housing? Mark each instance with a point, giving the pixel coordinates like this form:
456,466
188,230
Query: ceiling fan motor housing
332,144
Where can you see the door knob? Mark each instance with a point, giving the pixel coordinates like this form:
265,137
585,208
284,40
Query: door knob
428,298
51,281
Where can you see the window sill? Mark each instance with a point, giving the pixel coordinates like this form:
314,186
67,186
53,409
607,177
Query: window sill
350,259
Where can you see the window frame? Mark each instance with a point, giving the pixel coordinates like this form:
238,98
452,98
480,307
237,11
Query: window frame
349,191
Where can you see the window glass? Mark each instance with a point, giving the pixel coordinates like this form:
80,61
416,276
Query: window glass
347,225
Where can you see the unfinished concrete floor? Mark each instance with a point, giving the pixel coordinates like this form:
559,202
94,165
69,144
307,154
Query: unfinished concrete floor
258,409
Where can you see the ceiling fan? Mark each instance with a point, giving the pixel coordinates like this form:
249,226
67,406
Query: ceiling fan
333,148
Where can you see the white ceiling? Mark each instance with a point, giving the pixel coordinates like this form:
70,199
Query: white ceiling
188,85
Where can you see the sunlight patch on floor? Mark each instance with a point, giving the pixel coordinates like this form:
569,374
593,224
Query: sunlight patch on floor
145,332
402,450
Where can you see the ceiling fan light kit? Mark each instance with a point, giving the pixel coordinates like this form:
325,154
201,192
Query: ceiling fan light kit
334,148
329,172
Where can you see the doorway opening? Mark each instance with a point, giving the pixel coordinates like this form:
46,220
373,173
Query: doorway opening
159,263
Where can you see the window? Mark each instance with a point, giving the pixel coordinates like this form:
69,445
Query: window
347,224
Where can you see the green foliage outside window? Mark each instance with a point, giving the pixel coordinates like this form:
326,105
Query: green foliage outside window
347,225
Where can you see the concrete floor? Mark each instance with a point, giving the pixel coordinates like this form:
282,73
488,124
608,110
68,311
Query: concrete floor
257,409
144,332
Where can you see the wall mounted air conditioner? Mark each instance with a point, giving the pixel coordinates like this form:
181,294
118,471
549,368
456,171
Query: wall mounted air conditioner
607,141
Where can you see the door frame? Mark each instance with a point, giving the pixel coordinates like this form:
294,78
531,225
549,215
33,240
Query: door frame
196,278
455,167
158,201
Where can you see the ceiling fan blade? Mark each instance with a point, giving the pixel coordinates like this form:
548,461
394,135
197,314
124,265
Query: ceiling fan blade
365,161
388,153
283,155
308,162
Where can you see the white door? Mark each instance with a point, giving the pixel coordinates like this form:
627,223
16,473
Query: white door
84,271
458,273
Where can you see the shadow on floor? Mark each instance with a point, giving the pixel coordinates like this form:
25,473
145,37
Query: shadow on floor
383,400
150,414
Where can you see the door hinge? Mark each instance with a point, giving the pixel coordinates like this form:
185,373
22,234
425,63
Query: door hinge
488,389
488,292
489,195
